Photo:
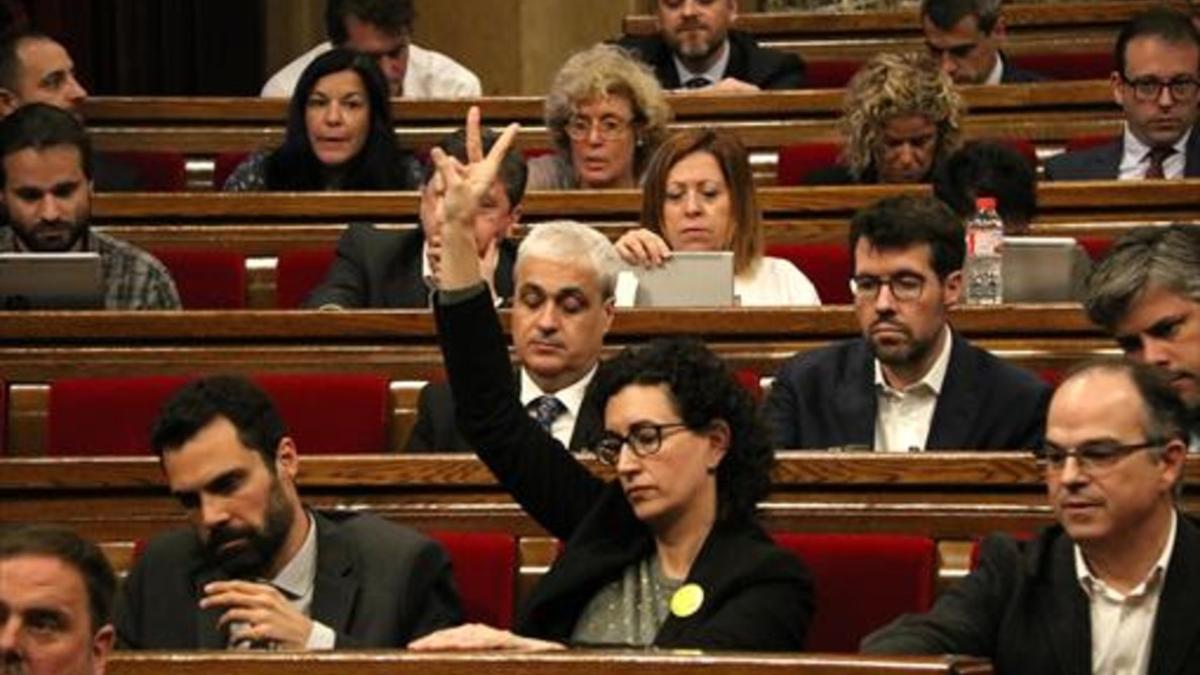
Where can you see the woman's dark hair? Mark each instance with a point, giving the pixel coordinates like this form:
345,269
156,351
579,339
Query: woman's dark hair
380,165
703,390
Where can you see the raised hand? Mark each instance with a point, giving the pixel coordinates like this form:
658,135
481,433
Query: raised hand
460,189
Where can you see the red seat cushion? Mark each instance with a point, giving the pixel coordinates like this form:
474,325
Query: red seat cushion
830,73
1097,246
298,273
1068,65
1024,147
797,161
751,381
485,572
863,581
224,165
207,278
1085,141
156,171
113,416
826,265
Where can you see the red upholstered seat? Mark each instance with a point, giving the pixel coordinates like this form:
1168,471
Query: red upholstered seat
207,278
1097,246
155,171
113,416
485,572
1024,147
863,581
830,73
298,273
1068,65
798,160
826,265
751,381
1085,141
223,166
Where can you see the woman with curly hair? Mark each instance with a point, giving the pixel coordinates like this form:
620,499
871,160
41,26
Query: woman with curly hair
901,119
668,553
699,196
339,135
606,114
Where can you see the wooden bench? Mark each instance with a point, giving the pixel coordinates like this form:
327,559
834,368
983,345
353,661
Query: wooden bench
200,128
1044,27
261,226
38,347
575,662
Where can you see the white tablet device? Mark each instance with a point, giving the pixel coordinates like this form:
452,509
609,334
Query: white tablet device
688,279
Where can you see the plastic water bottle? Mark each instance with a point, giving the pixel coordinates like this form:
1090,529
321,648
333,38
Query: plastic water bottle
985,242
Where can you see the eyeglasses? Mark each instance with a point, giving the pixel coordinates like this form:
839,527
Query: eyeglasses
644,438
904,287
1150,88
609,128
1092,456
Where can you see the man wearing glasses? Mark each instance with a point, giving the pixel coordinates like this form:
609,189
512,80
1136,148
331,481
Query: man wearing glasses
1112,587
1156,84
1146,293
910,383
964,37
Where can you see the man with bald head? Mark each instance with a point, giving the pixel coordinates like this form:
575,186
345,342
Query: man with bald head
1112,587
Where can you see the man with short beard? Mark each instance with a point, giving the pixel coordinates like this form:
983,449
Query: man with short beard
258,569
910,383
695,49
46,169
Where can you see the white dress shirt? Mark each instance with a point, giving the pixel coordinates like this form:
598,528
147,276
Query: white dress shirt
905,415
1123,623
774,282
1136,158
571,397
429,74
997,71
714,74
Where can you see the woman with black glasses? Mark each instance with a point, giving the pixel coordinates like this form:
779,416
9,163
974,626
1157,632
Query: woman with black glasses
667,554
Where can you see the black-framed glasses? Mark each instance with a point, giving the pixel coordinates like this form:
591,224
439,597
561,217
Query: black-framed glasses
610,128
904,286
1150,88
1091,456
644,438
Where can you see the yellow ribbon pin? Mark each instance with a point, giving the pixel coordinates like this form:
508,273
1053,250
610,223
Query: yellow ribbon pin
687,600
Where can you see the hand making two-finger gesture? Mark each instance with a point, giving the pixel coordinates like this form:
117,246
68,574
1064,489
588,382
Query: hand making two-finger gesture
461,190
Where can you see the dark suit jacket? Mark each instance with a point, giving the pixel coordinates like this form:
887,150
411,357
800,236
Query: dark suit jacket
756,595
377,268
766,68
1011,74
436,429
826,398
378,585
1104,161
1023,608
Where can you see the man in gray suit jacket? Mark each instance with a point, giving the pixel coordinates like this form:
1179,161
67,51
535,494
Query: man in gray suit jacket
563,307
1156,83
390,269
258,569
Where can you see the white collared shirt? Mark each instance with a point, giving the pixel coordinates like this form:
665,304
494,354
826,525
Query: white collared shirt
571,397
713,75
905,415
1123,623
429,74
297,581
1136,158
997,71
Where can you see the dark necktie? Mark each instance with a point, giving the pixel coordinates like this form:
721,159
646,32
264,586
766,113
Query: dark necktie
698,82
1158,155
545,409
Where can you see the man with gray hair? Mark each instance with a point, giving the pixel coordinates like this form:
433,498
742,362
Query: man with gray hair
565,278
1110,588
1146,292
965,36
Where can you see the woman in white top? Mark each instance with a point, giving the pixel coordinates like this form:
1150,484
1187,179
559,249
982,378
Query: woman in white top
699,196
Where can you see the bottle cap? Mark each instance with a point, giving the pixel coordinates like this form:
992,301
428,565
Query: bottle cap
982,203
